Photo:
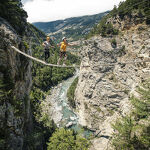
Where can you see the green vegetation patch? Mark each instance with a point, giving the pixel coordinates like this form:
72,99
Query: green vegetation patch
71,92
67,140
103,28
133,131
140,8
12,11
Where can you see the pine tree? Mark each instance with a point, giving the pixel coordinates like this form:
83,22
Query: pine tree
133,132
67,140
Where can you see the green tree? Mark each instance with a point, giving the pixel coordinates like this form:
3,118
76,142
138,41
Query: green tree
12,11
71,92
123,138
125,8
67,140
133,132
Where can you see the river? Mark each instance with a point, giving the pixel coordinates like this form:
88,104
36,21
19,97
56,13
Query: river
58,109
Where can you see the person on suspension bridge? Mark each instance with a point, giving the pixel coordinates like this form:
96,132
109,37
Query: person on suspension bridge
47,44
63,46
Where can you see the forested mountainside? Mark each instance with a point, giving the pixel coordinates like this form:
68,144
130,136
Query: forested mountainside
73,28
128,14
112,94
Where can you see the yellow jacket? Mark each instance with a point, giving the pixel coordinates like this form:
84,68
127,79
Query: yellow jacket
63,46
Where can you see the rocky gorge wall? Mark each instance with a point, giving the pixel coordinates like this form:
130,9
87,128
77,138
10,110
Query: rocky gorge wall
103,90
15,84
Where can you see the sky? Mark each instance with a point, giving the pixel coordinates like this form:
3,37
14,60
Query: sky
51,10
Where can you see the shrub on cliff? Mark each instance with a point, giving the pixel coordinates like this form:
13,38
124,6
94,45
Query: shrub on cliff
70,93
103,28
133,132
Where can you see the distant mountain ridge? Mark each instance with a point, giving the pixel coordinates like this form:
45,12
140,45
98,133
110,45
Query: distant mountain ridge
73,28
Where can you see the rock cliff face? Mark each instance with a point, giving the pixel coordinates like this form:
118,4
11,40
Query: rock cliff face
15,84
127,22
103,90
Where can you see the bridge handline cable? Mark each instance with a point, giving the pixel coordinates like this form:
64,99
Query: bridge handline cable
54,65
40,61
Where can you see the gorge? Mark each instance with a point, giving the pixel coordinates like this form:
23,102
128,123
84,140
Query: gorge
111,98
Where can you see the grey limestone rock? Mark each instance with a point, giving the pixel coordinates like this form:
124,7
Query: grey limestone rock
15,80
103,90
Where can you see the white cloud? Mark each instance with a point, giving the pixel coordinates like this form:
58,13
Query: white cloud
49,10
